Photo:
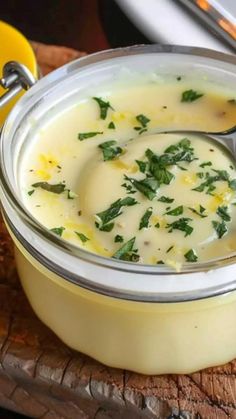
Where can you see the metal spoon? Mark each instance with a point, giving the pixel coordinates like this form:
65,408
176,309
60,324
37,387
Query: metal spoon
228,134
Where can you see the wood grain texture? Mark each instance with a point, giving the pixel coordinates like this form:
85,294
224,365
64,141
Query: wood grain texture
43,378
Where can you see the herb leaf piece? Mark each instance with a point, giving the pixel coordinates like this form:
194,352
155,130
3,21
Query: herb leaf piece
200,212
58,230
31,192
232,184
109,151
144,222
191,256
181,224
223,213
84,135
142,165
143,120
104,106
126,252
111,125
54,188
82,237
166,199
176,211
206,163
118,239
147,186
190,95
220,228
112,212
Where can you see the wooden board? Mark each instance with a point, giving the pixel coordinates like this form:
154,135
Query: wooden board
42,378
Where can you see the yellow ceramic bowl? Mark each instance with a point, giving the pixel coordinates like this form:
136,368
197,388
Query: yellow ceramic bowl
14,47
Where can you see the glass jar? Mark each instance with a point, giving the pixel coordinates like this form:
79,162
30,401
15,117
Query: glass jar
148,319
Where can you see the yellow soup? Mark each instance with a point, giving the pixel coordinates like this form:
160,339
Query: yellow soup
97,176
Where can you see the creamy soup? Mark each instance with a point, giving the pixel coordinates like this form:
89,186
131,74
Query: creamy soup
97,176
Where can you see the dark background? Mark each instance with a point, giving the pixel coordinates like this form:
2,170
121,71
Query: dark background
86,25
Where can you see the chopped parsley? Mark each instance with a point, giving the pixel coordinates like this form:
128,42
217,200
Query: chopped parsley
142,165
176,211
82,237
54,188
105,217
31,192
58,230
160,262
208,185
191,256
144,222
143,120
220,228
200,212
182,224
206,163
157,225
166,199
170,248
232,184
190,95
84,135
109,151
147,186
118,239
104,106
127,252
111,125
223,213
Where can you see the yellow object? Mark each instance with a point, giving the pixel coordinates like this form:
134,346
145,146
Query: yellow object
14,47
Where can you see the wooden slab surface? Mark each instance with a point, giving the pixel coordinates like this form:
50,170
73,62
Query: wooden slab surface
42,378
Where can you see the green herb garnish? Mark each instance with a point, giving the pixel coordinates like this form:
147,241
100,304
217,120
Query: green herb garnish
142,165
54,188
160,262
104,106
144,222
232,184
176,211
166,199
220,228
111,125
147,186
182,224
112,212
223,213
31,192
118,239
126,252
58,230
191,256
109,151
143,120
190,96
170,248
84,135
157,225
82,237
200,212
206,163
